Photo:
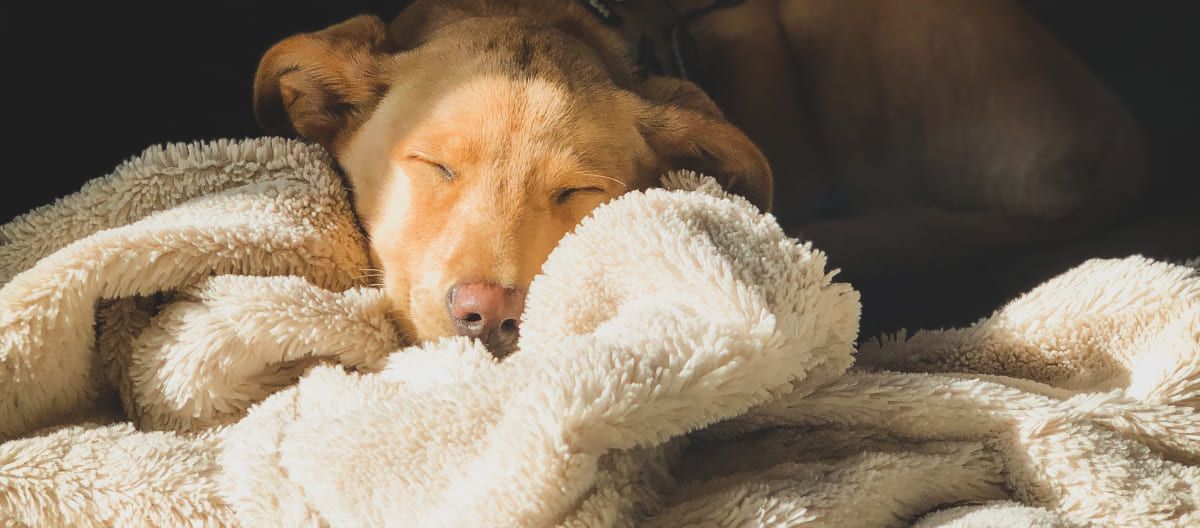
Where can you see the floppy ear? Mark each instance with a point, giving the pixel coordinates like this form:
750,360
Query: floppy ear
320,85
687,131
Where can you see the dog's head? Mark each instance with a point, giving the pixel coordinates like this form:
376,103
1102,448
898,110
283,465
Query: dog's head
474,146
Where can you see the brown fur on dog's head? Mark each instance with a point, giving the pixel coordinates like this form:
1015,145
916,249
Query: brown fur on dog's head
473,144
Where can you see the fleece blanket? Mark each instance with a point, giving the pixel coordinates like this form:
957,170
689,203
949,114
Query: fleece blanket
193,341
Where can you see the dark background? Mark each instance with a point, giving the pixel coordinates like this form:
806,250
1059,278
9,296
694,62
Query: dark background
92,84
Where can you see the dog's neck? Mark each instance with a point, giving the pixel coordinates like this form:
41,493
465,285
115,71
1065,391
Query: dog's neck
645,27
656,31
635,37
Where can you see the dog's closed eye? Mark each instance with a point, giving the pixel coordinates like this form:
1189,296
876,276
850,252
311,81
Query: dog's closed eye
446,172
565,195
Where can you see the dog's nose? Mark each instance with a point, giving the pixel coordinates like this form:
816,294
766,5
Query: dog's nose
488,312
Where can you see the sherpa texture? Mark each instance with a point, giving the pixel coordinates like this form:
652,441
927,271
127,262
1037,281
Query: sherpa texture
682,362
161,223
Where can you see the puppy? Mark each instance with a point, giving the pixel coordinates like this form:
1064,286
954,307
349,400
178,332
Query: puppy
475,133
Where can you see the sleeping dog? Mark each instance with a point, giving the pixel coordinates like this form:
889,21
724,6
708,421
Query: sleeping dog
475,133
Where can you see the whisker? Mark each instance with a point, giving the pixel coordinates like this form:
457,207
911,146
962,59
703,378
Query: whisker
609,178
372,277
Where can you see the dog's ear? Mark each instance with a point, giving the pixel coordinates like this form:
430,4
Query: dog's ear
320,85
687,131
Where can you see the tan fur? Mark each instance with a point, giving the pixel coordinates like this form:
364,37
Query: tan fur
946,130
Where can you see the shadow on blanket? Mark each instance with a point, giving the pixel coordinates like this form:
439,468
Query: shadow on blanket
682,363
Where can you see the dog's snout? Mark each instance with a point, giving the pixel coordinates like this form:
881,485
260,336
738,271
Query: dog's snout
488,312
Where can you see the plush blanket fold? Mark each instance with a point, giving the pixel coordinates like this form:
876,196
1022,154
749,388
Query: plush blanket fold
682,363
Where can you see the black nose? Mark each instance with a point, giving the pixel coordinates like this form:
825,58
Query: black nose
488,312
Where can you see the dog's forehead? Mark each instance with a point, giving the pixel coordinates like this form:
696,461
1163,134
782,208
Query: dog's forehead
514,46
494,114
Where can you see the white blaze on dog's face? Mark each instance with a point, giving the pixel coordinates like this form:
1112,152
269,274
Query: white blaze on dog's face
470,155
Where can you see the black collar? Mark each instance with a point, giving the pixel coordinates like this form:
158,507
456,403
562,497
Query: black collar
603,11
673,53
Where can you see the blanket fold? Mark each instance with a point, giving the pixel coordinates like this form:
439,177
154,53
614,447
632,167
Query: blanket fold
159,223
682,362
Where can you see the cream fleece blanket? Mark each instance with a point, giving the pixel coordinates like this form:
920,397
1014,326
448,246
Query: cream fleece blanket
682,363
